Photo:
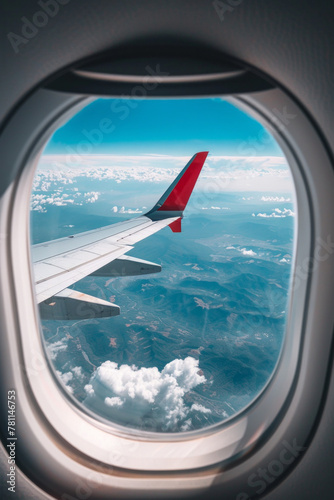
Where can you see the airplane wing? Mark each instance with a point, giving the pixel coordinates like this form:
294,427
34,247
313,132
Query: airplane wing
100,252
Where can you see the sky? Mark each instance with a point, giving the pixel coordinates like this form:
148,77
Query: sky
162,126
145,143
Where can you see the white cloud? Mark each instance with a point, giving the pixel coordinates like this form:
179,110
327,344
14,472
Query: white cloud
123,210
187,425
115,401
56,347
244,251
286,212
275,198
65,378
249,253
131,394
201,408
77,371
58,173
92,196
215,208
222,173
39,201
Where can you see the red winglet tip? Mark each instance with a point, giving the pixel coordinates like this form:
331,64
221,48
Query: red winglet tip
179,196
176,226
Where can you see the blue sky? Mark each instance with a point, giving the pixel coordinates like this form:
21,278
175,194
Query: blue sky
166,126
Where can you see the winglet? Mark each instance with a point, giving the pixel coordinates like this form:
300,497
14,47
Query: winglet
175,199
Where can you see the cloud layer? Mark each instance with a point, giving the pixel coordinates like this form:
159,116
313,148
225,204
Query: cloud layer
58,176
230,173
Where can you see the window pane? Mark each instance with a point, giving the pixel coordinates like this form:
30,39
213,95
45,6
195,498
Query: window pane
195,343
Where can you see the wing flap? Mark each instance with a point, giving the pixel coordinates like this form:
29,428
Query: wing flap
127,266
72,305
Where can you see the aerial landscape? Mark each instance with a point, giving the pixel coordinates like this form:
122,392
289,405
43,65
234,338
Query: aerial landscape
197,342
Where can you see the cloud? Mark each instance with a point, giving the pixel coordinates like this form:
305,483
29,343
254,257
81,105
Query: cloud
123,210
286,212
39,201
215,208
92,196
201,408
65,378
275,198
244,251
249,253
115,401
57,174
77,371
141,396
221,173
187,425
56,347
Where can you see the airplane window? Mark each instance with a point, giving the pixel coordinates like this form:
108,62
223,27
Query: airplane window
168,314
